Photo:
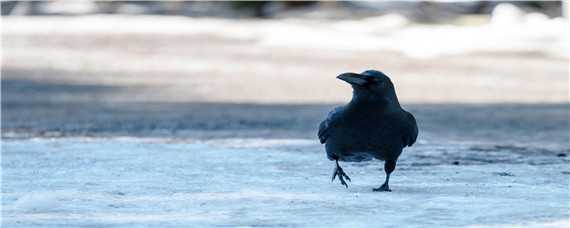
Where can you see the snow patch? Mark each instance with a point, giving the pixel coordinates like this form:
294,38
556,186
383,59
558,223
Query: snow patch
42,201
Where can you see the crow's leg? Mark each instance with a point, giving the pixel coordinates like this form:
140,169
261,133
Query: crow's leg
341,175
389,166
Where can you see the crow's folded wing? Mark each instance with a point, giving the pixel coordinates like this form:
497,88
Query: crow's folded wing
410,129
326,127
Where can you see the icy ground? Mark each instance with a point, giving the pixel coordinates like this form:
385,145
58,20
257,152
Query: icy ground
128,182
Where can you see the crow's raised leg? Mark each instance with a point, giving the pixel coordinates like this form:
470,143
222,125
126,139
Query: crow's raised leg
389,166
341,175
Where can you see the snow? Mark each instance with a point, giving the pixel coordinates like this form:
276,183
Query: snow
130,182
509,29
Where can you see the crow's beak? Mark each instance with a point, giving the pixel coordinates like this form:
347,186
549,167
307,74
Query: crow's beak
353,78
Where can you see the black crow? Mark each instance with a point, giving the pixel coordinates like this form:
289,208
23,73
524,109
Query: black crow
371,125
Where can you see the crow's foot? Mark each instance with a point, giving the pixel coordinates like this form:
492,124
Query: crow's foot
383,188
341,175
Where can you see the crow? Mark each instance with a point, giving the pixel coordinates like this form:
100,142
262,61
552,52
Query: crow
372,125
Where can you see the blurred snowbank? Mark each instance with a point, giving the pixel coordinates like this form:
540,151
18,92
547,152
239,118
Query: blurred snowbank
509,30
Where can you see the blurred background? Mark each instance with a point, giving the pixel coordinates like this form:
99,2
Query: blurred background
470,70
199,114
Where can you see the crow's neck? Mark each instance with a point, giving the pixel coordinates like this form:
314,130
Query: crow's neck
389,101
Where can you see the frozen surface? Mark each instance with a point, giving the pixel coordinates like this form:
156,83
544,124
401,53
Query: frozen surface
129,182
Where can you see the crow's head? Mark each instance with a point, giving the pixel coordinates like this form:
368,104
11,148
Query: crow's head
370,85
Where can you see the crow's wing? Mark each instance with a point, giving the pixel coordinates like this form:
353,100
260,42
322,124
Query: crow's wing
326,127
410,129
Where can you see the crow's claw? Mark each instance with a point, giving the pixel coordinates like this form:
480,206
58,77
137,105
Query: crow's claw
383,188
341,176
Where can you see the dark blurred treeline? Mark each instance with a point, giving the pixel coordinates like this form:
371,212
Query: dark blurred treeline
262,9
189,8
